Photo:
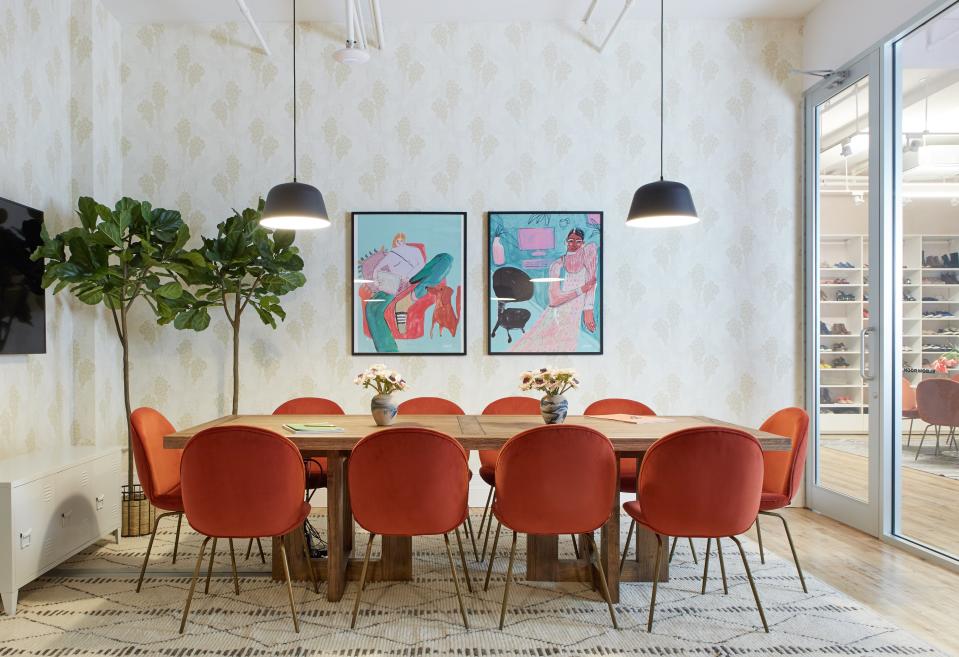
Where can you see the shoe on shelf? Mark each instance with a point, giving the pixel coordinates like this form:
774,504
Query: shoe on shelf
839,346
839,362
823,329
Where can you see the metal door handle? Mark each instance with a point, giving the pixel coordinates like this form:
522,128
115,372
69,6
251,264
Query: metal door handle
862,355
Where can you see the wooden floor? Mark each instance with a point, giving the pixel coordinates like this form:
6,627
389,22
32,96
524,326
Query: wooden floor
930,503
918,595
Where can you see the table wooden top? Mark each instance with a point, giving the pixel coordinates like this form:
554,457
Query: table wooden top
472,431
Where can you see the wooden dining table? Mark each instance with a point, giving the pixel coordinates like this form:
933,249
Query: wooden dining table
474,432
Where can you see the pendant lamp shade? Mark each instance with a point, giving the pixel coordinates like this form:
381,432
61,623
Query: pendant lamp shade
662,204
294,206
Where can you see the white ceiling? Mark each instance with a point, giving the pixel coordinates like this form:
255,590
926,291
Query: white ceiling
444,11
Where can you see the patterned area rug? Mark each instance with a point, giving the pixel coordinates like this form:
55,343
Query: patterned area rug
90,607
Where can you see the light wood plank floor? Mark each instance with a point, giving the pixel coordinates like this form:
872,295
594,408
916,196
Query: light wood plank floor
930,503
918,595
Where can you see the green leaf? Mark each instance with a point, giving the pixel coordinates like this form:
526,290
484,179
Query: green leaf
87,209
171,290
91,296
113,232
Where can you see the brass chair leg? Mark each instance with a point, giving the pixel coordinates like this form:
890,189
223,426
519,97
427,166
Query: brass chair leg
692,549
752,584
492,556
722,566
509,575
759,536
472,534
909,438
289,587
489,525
486,507
309,566
209,570
196,574
709,543
466,573
146,557
652,599
792,547
629,537
359,591
603,584
921,441
673,548
249,549
456,579
176,540
236,580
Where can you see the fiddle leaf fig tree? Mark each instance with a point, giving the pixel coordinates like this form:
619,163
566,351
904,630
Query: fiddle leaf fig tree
244,266
115,257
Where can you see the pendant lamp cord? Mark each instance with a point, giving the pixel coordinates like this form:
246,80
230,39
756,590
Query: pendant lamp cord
294,90
662,84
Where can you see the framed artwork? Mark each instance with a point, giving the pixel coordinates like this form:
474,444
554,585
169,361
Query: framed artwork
545,277
409,283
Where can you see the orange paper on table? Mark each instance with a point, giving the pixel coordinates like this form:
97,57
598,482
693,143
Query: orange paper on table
634,419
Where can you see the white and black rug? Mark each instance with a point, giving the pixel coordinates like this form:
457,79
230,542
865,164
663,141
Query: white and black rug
90,607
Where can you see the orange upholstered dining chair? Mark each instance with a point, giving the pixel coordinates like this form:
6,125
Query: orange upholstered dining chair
502,406
439,406
704,482
910,409
315,465
938,404
782,473
552,480
386,501
158,470
243,482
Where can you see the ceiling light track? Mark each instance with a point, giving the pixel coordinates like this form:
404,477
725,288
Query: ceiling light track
358,26
256,28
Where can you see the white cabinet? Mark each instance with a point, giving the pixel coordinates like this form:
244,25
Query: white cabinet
52,505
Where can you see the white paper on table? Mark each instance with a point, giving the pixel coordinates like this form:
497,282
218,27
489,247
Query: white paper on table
634,419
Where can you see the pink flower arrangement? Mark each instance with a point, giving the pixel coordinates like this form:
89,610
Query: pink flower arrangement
946,362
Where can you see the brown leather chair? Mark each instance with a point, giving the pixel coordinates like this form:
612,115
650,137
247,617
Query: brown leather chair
937,401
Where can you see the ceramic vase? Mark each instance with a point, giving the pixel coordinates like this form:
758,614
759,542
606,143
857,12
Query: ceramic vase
384,410
553,408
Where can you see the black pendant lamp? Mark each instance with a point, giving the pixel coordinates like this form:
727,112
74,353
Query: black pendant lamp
294,205
663,203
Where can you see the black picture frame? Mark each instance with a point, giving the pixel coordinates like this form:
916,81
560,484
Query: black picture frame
355,275
493,304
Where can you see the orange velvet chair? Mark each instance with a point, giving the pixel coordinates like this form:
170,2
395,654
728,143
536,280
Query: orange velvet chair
782,473
158,470
429,406
552,480
702,483
388,502
938,405
243,482
502,406
439,406
910,409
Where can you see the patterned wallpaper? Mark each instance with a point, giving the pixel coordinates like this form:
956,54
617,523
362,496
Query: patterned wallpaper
489,117
702,319
59,136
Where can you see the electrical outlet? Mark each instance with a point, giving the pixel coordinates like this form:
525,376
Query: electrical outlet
25,539
100,500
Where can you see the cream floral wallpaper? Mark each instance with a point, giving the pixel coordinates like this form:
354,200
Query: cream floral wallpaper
703,319
59,136
477,118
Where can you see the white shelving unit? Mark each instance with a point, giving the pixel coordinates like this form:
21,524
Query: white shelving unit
926,291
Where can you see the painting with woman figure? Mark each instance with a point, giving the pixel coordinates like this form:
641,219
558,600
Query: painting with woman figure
408,281
545,282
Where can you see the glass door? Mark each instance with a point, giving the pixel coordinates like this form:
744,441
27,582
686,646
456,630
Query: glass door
926,141
843,287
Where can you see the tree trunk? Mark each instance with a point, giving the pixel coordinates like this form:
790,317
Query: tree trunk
236,356
124,342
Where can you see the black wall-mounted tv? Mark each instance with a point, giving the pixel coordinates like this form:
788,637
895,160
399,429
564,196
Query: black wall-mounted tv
22,300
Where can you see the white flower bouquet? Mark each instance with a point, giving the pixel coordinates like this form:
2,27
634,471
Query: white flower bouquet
550,381
381,379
